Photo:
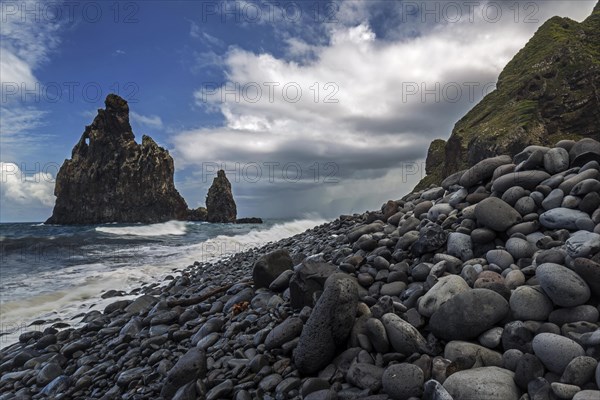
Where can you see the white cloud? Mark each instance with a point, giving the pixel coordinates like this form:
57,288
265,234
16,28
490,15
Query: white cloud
151,121
377,122
18,120
14,71
16,187
205,37
28,35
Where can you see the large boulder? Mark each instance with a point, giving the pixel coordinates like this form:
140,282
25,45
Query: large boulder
270,266
487,383
308,279
111,178
468,314
220,205
328,326
496,214
483,170
189,367
584,151
562,285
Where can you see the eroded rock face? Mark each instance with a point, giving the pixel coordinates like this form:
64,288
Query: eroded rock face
219,201
111,178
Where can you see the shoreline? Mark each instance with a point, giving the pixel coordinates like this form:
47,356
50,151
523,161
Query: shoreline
97,292
459,292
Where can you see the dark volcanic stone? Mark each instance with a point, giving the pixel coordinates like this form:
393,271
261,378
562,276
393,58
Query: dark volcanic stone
468,314
197,214
308,279
220,206
496,214
249,220
284,332
590,272
270,266
525,179
190,366
431,238
483,170
584,151
564,286
529,367
111,178
328,326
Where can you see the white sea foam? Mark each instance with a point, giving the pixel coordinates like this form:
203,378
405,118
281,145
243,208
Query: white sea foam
162,229
62,294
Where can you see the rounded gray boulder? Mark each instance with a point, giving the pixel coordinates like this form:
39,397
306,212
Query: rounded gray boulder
564,286
526,179
468,314
402,381
555,351
496,214
487,383
270,266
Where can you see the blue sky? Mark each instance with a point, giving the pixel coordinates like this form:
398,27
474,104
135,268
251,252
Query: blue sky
354,135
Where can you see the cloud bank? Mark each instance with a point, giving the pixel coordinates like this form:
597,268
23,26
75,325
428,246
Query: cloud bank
368,103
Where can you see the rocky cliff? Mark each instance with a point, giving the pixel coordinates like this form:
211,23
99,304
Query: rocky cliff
111,178
220,205
549,91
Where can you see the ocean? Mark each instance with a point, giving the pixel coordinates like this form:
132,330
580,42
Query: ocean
51,274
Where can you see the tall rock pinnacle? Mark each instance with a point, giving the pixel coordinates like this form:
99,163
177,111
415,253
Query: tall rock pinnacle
219,201
111,178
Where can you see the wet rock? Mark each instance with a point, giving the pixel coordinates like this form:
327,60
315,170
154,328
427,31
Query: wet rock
48,373
562,218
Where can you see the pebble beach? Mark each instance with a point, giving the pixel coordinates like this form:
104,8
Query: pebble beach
484,288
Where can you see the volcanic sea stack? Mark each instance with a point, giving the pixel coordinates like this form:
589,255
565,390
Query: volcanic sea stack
219,201
111,178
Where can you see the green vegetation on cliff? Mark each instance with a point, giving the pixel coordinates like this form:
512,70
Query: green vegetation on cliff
548,92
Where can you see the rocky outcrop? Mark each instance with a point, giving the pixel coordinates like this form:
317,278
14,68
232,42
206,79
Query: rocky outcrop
249,220
111,178
546,93
197,214
220,205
